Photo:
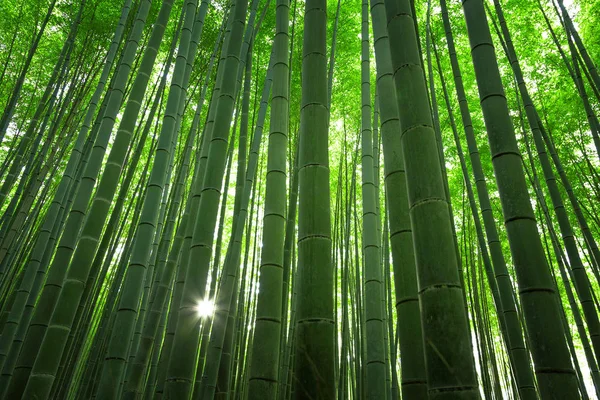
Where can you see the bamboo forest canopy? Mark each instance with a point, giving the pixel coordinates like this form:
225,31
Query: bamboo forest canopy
308,199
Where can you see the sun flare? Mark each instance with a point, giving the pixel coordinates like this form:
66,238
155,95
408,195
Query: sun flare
205,308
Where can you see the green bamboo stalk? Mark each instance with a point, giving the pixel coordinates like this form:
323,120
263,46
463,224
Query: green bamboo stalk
448,352
412,360
315,330
373,280
554,370
265,347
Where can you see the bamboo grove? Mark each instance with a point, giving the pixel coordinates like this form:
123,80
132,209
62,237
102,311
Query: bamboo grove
308,199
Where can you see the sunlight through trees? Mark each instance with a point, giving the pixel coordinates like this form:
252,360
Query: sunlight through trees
307,199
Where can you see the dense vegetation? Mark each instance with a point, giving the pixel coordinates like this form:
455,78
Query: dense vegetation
309,199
